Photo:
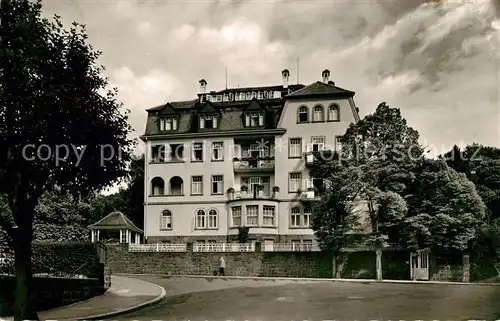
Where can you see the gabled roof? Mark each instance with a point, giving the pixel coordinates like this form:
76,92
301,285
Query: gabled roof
178,105
254,106
206,108
115,221
319,89
168,109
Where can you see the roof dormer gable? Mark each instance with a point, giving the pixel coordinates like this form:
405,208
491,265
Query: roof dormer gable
207,108
168,110
254,105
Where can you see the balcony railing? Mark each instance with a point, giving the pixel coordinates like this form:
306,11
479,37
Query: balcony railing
158,247
251,164
251,195
223,247
310,196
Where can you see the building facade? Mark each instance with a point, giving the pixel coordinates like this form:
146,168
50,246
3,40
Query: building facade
239,157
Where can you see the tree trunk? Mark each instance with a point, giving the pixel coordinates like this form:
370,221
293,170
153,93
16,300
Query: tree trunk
24,306
378,264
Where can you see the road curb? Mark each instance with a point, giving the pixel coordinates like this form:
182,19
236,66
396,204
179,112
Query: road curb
130,309
313,279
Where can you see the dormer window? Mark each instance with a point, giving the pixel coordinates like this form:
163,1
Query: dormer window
208,121
254,119
168,123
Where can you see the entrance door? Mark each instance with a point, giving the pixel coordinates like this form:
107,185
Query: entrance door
419,266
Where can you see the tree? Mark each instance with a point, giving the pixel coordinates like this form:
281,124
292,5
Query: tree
58,125
61,217
378,154
334,219
445,210
134,193
481,165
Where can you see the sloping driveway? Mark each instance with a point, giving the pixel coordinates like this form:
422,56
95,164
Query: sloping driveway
228,299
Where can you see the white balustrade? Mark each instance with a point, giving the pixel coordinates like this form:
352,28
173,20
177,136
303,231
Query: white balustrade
223,247
158,247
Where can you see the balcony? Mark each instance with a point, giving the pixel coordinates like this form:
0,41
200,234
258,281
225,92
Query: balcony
250,165
310,195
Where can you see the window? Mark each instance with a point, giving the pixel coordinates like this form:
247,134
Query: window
236,215
317,143
217,184
218,151
294,180
256,184
157,186
302,114
295,148
197,152
338,143
166,220
204,221
318,114
307,218
208,121
295,217
197,185
158,153
252,215
201,219
334,113
254,119
168,124
175,153
212,218
176,186
260,95
268,215
123,234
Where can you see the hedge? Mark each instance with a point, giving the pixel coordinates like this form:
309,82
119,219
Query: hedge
62,259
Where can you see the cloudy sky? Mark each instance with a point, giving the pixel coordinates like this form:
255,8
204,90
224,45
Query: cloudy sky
438,62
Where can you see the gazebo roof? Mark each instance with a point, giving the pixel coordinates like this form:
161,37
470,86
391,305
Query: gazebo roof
115,221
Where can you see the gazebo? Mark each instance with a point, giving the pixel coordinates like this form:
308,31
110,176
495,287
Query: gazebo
115,226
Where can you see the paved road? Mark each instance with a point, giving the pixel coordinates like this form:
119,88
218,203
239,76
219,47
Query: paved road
208,299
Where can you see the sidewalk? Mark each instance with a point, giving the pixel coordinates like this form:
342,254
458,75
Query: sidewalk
300,279
125,295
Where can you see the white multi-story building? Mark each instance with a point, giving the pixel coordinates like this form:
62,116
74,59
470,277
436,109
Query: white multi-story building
238,157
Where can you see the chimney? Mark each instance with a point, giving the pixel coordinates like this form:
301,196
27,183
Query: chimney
286,75
325,74
203,86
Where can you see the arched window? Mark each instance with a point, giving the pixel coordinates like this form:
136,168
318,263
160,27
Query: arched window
334,113
201,219
212,218
295,217
176,186
319,113
166,220
307,217
302,114
157,186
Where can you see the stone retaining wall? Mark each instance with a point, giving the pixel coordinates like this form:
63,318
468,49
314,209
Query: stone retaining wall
50,292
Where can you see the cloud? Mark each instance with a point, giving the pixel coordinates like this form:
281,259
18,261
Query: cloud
435,61
142,92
